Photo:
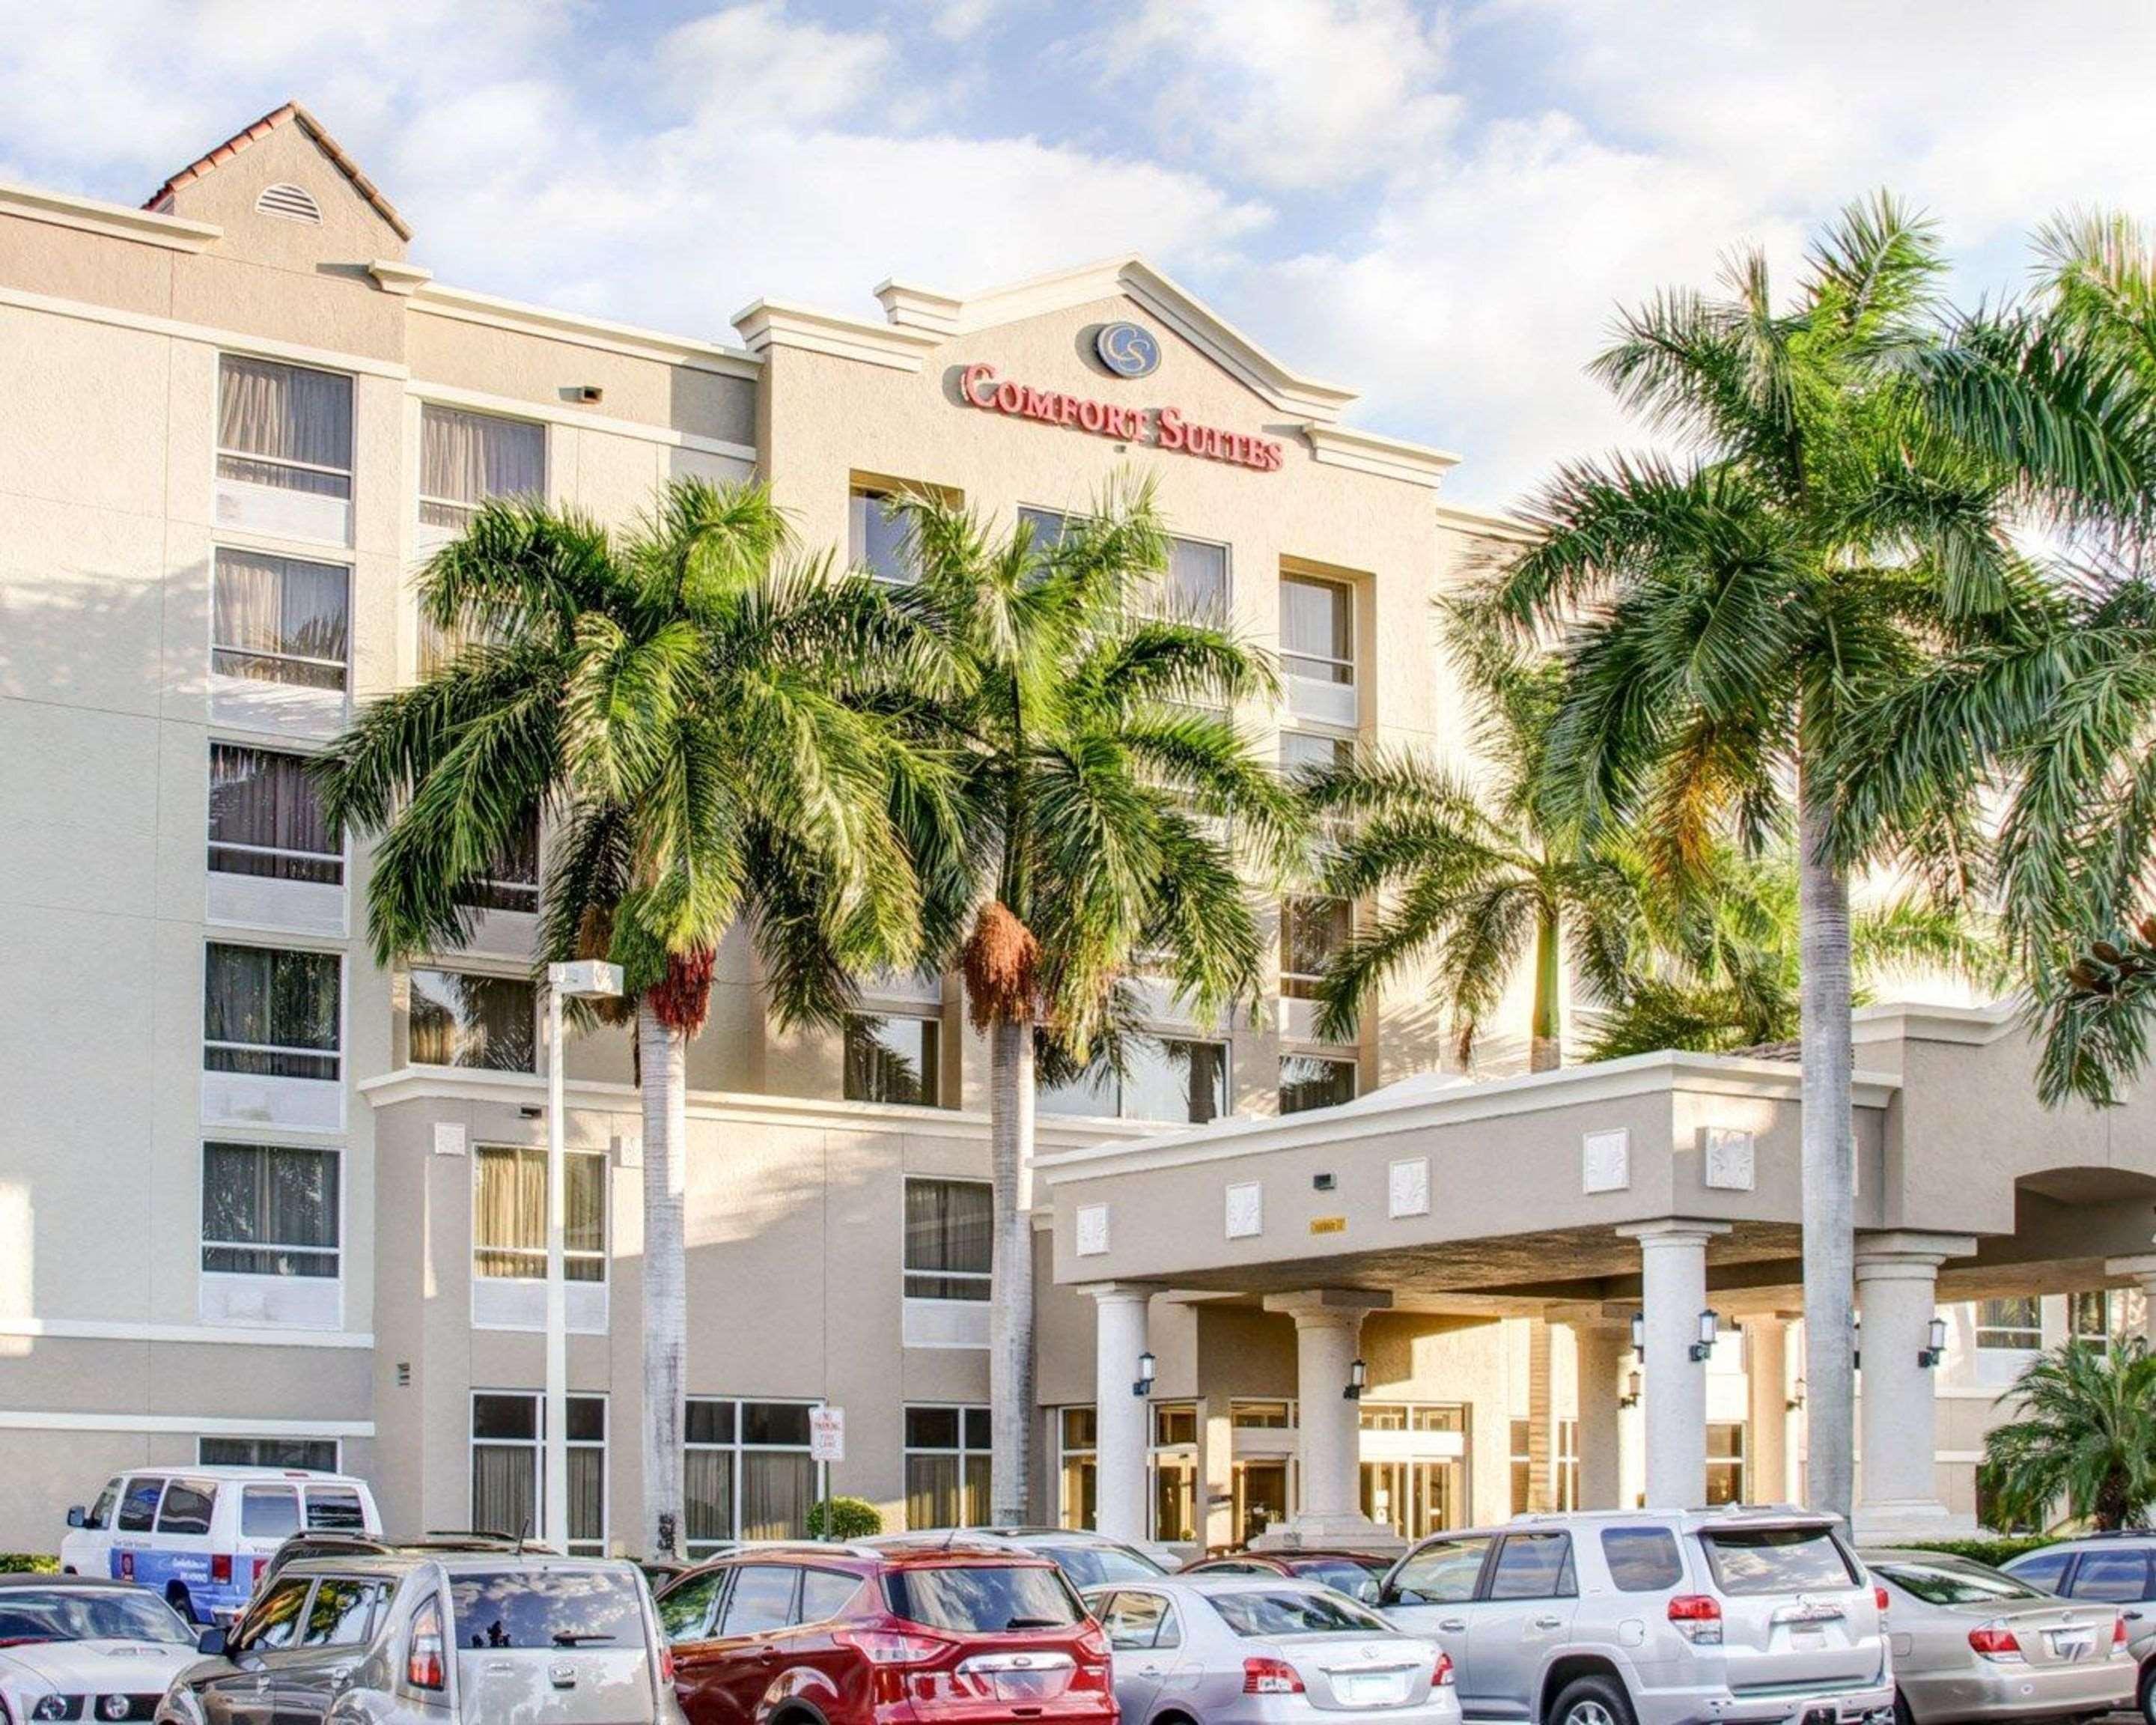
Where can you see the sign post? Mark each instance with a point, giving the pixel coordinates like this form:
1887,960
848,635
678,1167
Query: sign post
827,1443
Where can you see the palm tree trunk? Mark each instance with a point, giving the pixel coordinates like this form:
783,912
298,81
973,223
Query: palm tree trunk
1545,1050
1829,1163
1010,1286
662,1059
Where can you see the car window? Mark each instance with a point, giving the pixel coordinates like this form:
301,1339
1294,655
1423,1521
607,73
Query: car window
1294,1611
1359,1581
274,1620
2120,1576
1095,1565
545,1609
1534,1566
138,1509
2042,1569
982,1597
1444,1574
342,1613
1134,1621
1225,1567
188,1506
269,1513
1951,1581
1776,1560
825,1593
108,1500
761,1598
336,1508
684,1609
1642,1560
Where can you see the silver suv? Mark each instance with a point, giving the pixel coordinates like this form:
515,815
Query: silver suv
1643,1617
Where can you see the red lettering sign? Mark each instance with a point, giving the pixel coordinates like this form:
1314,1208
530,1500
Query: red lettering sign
1164,427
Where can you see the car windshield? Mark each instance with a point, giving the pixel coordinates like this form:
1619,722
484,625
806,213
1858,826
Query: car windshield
1293,1612
548,1608
1775,1560
1356,1579
1090,1565
1952,1581
982,1597
87,1614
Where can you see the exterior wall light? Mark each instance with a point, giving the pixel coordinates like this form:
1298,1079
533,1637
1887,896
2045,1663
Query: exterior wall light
1710,1322
1935,1348
1795,1404
1146,1362
1359,1375
1631,1398
1640,1337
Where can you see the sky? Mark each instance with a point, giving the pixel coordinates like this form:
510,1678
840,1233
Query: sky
1440,205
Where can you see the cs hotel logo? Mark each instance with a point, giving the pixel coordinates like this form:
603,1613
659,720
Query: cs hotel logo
1126,350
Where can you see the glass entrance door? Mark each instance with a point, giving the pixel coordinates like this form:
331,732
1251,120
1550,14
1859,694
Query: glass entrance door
1413,1498
1260,1496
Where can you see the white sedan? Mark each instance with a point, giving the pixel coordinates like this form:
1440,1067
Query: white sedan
82,1648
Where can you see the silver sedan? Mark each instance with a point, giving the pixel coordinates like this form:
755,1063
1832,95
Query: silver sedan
1244,1649
1970,1643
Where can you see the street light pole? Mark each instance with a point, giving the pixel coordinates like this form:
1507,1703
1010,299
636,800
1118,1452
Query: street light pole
563,981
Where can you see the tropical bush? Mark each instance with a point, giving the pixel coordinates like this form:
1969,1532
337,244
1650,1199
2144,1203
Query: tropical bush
844,1518
20,1563
2086,1439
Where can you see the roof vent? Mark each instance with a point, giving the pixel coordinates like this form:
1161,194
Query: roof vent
294,204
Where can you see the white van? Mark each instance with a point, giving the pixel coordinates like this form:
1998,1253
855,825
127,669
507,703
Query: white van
199,1535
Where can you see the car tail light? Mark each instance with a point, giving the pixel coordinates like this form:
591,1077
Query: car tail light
423,1665
1271,1676
892,1656
1697,1618
2118,1635
666,1664
1995,1641
220,1568
1440,1673
1879,1597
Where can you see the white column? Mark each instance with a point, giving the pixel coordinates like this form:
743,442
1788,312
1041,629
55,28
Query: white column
554,1506
1767,1414
1119,1411
1603,1353
2143,1270
1672,1294
1898,1296
1328,1329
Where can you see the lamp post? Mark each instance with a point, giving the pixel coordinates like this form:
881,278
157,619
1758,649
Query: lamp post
585,980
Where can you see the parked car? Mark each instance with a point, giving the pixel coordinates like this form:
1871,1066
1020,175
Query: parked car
345,1545
440,1639
1971,1643
199,1535
915,1629
86,1647
1265,1650
1087,1558
1359,1575
2106,1569
1653,1618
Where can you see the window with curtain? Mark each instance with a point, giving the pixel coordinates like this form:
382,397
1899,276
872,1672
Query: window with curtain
461,1018
265,819
1312,930
316,1455
947,1240
511,881
747,1472
278,619
1196,586
1313,1081
268,1209
707,1461
285,426
1317,629
946,1467
891,1060
1522,1455
509,1214
878,539
271,1013
464,459
509,1464
2017,1322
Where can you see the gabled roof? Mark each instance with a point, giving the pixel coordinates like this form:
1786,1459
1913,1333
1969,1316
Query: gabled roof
291,112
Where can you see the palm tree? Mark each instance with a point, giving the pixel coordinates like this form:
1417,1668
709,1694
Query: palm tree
691,710
1820,528
1107,795
2087,1437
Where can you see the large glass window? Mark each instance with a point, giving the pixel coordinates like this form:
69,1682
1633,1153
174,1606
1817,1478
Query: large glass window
464,459
284,426
268,1209
316,1455
509,1214
1313,1081
1523,1465
1725,1462
461,1018
1312,932
273,1013
1173,1463
946,1467
1164,1078
278,619
892,1060
509,1462
949,1237
511,881
1567,1465
747,1472
2017,1322
1317,647
879,538
2092,1317
265,820
1077,1475
1194,586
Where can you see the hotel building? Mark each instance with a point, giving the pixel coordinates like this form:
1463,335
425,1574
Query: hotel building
261,1199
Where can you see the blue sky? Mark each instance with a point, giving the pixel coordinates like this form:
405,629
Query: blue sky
1437,204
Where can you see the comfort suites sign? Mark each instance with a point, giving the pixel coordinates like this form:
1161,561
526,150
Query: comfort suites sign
1163,427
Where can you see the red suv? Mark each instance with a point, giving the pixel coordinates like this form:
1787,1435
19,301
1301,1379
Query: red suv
904,1633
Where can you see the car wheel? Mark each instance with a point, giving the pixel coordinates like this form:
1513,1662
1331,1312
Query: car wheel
1902,1716
181,1601
2148,1692
1593,1701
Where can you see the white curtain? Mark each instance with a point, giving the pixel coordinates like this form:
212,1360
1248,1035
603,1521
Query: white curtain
464,459
284,413
281,607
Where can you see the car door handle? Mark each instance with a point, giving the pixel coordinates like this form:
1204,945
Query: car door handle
1454,1625
1151,1671
1548,1621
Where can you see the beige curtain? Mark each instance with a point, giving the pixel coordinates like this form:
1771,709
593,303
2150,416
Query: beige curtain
509,1223
284,608
464,459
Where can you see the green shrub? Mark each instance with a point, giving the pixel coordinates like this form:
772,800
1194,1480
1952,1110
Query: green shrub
15,1562
844,1518
1994,1551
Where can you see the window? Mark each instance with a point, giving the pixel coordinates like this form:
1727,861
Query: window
464,459
946,1467
1523,1465
527,1608
108,1500
761,1598
273,1620
269,1209
1953,1581
1261,1416
316,1455
1318,648
1776,1560
1725,1462
1312,930
272,1014
511,881
892,1060
1642,1560
878,539
1412,1416
1164,1078
1136,1621
138,1508
1173,1464
1567,1464
2117,1577
283,426
977,1598
336,1509
265,820
825,1593
684,1612
1077,1478
2017,1323
1313,1081
948,1225
747,1472
2089,1316
279,620
2045,1569
188,1507
462,1019
1194,586
508,1215
508,1463
1534,1566
1048,525
1309,753
268,1511
1442,1573
341,1614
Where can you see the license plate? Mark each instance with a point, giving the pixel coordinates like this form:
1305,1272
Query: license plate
2072,1644
1807,1638
1370,1689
